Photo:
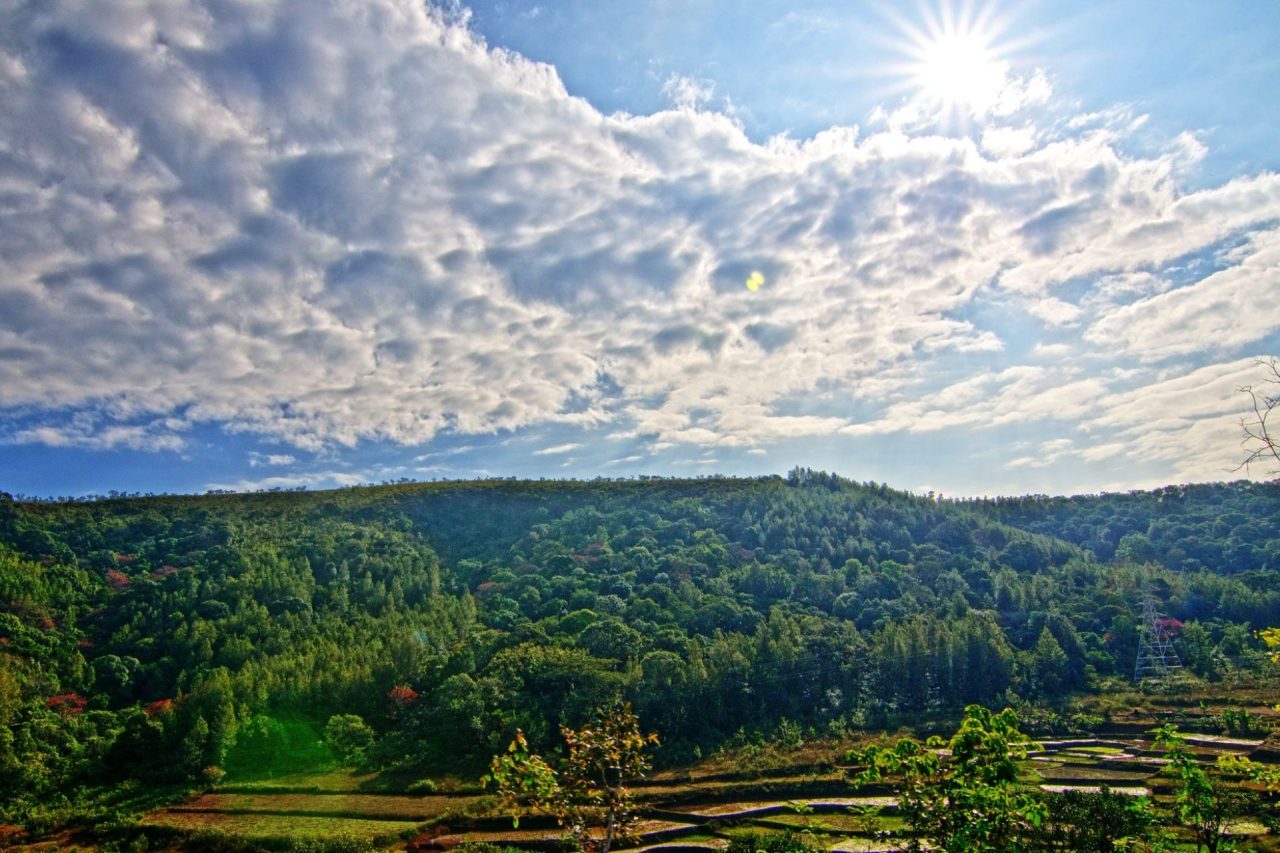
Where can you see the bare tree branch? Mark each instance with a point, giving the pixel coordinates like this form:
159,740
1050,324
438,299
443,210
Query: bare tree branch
1260,440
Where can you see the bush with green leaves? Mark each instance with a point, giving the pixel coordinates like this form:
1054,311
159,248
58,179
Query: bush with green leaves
1098,822
778,842
349,738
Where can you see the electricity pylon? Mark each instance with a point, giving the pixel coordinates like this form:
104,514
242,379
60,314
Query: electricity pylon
1156,657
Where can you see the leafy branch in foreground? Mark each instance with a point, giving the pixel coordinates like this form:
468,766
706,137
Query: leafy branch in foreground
1205,802
962,795
586,795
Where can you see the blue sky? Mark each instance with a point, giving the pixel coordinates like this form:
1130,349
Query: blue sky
973,248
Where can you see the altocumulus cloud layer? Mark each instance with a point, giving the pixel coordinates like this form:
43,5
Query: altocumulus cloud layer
324,222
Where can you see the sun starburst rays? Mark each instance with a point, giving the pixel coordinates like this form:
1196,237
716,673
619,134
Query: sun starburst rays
956,65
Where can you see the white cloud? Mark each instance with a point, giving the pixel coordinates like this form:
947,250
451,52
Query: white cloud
688,93
87,431
264,460
452,451
1020,93
1008,141
625,460
556,450
1016,395
1052,350
1229,308
1047,454
1054,312
702,462
317,479
324,223
1103,451
1187,423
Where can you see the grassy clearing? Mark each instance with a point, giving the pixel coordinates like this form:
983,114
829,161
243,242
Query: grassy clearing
323,782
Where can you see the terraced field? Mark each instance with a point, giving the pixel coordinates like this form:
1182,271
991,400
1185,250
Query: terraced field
273,829
683,813
334,809
371,806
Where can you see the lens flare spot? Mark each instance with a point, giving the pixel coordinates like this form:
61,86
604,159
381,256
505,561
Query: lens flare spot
755,280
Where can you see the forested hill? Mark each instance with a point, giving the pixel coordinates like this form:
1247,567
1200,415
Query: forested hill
160,637
1231,527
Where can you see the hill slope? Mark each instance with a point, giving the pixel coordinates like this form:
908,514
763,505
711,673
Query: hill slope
160,637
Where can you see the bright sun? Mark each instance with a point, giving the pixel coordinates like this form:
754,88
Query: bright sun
954,62
958,69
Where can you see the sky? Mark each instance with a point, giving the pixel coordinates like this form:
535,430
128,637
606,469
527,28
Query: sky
962,247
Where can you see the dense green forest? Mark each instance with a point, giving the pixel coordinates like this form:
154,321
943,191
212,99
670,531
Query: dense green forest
166,639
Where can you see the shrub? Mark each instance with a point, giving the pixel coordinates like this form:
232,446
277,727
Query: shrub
422,786
754,842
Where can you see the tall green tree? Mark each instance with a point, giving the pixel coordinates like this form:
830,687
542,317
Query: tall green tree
587,794
962,795
1206,802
